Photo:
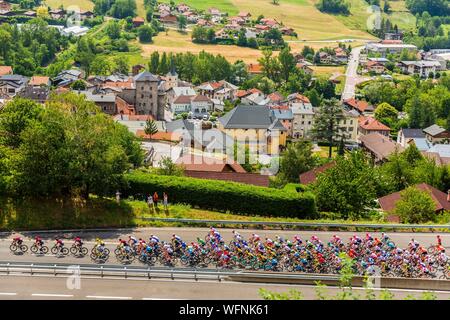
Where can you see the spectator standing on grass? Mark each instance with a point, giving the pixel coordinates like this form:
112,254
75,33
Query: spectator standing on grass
150,203
165,201
155,199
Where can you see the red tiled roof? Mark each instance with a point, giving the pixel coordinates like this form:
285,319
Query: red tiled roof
200,98
373,64
311,175
360,105
200,163
183,99
388,202
38,81
369,123
242,93
254,90
275,96
4,70
301,97
280,107
138,19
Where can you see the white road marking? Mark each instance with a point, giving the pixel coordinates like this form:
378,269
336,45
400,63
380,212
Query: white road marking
8,294
52,295
107,297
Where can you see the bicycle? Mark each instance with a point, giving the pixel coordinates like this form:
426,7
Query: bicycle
17,248
41,249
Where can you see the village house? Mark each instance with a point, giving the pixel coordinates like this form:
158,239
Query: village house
176,92
57,14
379,147
12,84
363,107
86,14
437,134
297,98
168,19
272,23
66,77
286,117
310,176
245,15
221,90
370,125
423,68
138,21
39,81
375,67
254,69
255,127
340,55
305,67
105,101
441,201
325,57
407,136
237,20
37,94
182,7
303,119
349,125
384,47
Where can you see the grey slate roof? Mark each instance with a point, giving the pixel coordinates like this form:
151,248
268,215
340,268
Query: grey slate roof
179,125
413,133
251,117
433,130
146,76
283,114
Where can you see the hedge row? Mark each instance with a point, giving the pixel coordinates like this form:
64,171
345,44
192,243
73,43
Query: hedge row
222,195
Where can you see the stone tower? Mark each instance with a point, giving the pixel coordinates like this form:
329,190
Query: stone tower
171,77
146,98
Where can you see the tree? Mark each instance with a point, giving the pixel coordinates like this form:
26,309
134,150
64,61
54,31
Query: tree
113,29
78,85
415,206
386,114
242,39
42,12
326,123
71,149
123,8
349,187
101,66
168,168
287,63
154,62
386,7
121,65
150,127
145,33
182,22
296,159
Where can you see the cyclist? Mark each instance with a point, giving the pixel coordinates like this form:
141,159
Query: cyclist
132,241
59,243
439,240
39,243
78,243
18,240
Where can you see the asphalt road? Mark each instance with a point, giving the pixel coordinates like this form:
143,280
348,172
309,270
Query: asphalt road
188,235
55,288
352,78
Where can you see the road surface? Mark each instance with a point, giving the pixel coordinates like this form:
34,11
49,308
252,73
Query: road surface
188,235
351,76
43,287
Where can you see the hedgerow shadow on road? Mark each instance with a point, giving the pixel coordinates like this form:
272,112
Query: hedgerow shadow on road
18,216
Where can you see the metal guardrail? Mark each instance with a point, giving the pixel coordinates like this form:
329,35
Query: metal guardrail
302,224
209,274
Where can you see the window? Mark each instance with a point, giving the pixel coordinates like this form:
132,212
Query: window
303,116
309,122
303,122
350,128
351,121
142,96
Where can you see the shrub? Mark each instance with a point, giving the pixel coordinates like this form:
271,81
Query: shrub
223,195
